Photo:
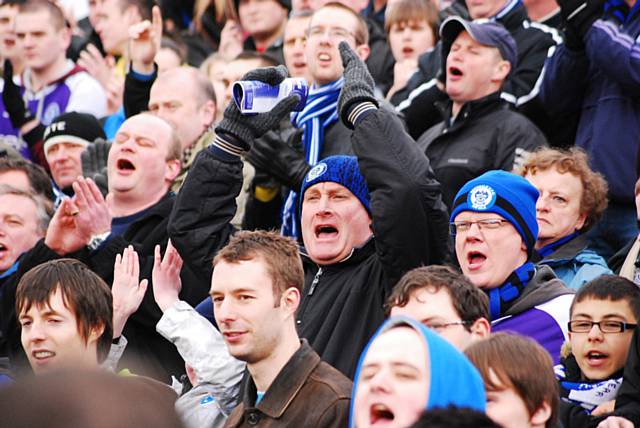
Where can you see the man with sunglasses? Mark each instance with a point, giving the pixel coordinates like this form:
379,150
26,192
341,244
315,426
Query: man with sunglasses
494,223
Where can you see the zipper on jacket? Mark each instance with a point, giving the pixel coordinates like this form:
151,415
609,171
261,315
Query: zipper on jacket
315,281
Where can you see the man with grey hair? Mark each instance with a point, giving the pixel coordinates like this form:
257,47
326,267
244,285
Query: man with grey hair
24,217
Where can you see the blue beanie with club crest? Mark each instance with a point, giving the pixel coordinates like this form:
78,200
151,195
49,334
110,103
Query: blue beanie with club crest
339,169
505,194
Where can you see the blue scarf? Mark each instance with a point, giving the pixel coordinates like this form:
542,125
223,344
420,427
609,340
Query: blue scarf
620,10
586,394
550,248
320,111
501,298
14,267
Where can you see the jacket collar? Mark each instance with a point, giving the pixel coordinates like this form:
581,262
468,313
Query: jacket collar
570,249
514,18
356,256
286,385
470,110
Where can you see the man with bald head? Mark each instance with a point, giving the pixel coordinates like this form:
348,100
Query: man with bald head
182,96
143,163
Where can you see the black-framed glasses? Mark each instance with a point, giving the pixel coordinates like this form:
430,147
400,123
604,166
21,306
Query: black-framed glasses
439,326
607,326
456,227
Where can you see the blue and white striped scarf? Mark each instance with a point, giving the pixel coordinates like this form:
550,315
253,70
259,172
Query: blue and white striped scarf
320,111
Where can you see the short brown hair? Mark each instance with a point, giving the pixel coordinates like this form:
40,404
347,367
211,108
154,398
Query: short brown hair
520,363
34,6
83,292
44,208
574,161
412,10
362,31
469,302
279,253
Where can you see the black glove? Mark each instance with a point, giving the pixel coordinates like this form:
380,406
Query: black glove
94,163
246,128
19,113
358,86
277,158
581,14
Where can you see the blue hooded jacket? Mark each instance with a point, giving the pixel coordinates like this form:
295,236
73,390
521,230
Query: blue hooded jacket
454,380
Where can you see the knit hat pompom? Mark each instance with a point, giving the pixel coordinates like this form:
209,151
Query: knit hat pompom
343,170
506,194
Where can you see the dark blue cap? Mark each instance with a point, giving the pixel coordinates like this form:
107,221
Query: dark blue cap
483,31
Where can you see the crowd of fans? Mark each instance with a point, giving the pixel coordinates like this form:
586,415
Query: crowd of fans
444,233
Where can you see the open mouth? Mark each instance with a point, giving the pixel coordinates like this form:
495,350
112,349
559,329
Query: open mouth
407,50
3,249
42,355
300,64
596,356
125,165
475,258
380,414
323,231
455,71
324,57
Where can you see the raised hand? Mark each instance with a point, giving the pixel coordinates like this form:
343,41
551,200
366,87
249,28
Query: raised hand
248,127
166,276
63,235
93,216
101,68
126,290
358,85
144,42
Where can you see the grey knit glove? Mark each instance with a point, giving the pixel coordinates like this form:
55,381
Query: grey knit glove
243,129
356,95
94,163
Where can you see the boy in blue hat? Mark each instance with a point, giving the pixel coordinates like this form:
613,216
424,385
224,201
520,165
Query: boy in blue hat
493,219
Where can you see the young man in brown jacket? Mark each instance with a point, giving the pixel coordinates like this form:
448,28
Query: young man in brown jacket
255,287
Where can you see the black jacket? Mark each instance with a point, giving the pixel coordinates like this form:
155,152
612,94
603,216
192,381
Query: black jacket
485,135
535,42
380,61
628,398
342,309
148,353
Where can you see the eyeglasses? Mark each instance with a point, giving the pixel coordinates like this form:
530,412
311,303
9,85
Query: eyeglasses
584,326
441,326
464,226
335,33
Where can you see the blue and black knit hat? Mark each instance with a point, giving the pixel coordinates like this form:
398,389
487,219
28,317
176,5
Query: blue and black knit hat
506,194
339,169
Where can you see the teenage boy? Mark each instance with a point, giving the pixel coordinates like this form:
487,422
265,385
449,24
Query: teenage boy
604,315
445,301
65,311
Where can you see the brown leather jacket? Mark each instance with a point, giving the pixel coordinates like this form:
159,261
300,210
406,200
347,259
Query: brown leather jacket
306,393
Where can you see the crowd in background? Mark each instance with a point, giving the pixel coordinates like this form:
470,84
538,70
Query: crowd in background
442,232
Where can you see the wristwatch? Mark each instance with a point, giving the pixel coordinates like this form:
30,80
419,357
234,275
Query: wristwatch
97,240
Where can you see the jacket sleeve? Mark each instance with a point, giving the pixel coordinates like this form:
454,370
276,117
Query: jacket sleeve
200,222
202,347
565,81
627,404
523,83
336,416
520,138
136,92
616,54
409,219
417,100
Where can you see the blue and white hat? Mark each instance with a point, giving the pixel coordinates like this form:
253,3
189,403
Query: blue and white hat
506,194
339,169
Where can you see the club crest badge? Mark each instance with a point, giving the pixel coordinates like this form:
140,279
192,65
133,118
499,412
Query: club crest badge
481,197
316,171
